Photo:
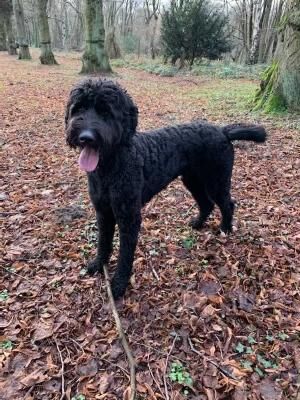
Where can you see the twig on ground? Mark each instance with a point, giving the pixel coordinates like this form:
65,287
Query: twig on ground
152,375
122,336
117,366
163,353
166,367
222,370
154,272
15,273
62,371
7,213
297,365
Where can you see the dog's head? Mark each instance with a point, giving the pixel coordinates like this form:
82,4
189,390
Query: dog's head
100,116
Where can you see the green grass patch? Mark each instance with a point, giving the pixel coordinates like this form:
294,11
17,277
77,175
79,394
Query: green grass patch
228,70
226,97
214,69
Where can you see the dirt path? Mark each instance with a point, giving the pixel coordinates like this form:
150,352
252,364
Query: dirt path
235,299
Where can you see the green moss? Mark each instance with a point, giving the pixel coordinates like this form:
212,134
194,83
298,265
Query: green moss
268,97
274,104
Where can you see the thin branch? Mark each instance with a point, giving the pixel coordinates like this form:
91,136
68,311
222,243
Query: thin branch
15,273
154,380
122,336
62,371
222,370
166,367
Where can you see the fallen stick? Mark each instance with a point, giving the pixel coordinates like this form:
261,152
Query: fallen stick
166,368
62,372
122,336
221,369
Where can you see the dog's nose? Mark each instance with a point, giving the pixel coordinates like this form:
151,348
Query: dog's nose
86,137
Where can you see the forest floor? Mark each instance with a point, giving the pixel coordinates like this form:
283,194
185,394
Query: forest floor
207,316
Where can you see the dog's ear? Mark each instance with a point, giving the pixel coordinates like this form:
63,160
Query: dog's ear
74,94
133,117
67,112
75,98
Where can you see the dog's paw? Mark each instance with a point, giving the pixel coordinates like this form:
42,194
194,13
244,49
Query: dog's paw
196,223
118,288
225,230
94,266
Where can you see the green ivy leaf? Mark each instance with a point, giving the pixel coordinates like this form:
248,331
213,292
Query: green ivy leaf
265,363
283,336
188,243
78,397
259,372
251,340
6,345
247,365
240,348
270,338
4,295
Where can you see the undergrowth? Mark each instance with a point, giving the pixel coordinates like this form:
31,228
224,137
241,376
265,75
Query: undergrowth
218,69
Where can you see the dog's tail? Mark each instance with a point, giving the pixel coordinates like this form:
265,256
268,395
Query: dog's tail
255,133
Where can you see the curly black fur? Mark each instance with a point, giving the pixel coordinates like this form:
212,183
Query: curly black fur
133,167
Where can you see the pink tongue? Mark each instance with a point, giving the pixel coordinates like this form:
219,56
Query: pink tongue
88,159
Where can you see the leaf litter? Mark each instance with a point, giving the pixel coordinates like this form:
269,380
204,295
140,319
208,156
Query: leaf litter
198,294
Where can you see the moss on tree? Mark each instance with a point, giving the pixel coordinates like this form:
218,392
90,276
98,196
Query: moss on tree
95,57
268,97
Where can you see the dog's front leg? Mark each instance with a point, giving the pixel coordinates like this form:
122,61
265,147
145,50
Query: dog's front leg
129,228
106,229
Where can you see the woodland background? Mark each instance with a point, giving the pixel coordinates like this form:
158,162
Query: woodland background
207,317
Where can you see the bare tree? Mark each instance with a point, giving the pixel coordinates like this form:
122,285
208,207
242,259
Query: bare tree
3,46
254,23
152,10
47,56
95,58
24,53
112,8
7,41
128,17
11,42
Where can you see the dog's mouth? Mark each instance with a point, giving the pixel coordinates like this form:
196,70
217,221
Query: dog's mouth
89,155
88,159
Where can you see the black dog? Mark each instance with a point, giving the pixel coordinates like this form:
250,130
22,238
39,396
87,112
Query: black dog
125,169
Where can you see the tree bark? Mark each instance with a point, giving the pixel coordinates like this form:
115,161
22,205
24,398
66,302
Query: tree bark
280,87
256,33
11,42
24,53
112,48
152,39
95,58
46,57
3,45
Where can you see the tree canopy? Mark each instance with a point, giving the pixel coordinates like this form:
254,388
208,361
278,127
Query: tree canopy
193,29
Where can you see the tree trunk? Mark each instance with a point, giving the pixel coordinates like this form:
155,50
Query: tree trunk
95,58
46,57
111,45
152,40
280,87
256,33
24,53
11,42
3,45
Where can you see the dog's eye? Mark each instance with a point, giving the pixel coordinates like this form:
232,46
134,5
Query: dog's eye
103,111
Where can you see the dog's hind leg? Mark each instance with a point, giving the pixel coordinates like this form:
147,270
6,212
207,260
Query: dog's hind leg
205,204
106,229
226,205
218,188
